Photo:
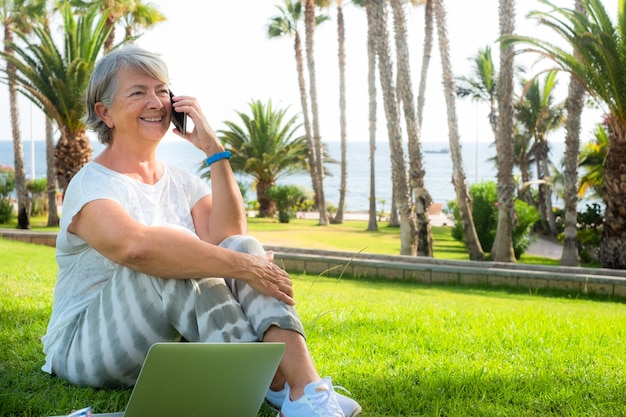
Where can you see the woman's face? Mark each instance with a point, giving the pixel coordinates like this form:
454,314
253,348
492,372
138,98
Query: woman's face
141,108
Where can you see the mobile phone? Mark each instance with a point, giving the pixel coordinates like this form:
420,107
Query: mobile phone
178,119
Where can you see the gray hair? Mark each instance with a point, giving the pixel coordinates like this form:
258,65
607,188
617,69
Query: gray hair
103,82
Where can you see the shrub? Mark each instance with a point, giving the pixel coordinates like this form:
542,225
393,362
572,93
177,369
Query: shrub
6,210
589,233
485,213
39,201
527,216
287,198
7,185
7,180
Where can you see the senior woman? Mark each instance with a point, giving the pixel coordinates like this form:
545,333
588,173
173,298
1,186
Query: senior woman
141,243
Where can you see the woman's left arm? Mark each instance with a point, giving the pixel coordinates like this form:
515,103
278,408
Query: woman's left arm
221,214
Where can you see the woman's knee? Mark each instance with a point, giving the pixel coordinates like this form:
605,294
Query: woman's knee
243,244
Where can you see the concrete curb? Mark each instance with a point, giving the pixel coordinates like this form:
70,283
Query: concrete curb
422,270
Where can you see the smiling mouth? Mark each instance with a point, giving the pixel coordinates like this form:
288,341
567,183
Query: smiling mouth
152,119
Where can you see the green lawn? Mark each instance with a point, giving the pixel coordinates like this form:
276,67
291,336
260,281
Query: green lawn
400,348
350,236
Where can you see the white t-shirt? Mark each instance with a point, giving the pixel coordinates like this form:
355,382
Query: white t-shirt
82,270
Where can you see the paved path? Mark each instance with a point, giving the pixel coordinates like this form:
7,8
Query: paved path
546,247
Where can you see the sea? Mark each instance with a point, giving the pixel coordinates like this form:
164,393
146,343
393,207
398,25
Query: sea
477,160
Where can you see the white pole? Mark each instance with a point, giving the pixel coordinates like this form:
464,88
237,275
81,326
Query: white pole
32,145
476,161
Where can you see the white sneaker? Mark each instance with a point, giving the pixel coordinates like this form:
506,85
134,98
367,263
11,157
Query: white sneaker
349,407
319,400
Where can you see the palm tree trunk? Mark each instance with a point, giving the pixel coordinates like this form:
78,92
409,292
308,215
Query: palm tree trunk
53,214
546,188
548,221
23,206
505,142
304,102
267,207
458,172
309,21
574,106
428,46
408,223
541,194
372,225
71,154
613,243
341,39
422,198
394,219
110,23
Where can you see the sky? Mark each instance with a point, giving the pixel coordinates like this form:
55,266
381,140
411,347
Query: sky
219,51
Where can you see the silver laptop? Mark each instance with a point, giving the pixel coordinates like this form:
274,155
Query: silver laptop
203,379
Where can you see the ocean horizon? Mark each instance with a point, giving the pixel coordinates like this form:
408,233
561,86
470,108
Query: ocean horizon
477,160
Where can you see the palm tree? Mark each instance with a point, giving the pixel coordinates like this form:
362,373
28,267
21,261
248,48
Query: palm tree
524,159
55,81
539,116
429,21
408,222
286,24
140,16
309,25
372,224
597,61
421,197
482,85
132,14
458,172
266,146
591,160
505,141
574,106
18,15
341,40
51,180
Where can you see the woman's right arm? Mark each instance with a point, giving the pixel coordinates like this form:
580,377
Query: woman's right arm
169,253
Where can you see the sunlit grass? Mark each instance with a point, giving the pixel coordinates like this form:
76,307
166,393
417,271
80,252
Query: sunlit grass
400,348
351,236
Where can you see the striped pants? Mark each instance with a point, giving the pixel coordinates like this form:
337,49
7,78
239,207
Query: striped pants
107,343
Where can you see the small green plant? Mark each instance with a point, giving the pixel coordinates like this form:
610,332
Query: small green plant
39,201
382,214
485,213
7,185
287,198
589,233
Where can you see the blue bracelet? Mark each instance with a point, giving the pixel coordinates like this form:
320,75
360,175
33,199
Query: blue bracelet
217,156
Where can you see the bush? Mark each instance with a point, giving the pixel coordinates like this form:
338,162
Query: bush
6,210
7,180
589,233
38,198
527,216
7,185
287,198
485,213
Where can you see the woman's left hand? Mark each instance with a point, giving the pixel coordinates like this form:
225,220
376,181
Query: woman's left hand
202,136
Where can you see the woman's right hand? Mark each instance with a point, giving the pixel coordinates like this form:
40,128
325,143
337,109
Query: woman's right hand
270,279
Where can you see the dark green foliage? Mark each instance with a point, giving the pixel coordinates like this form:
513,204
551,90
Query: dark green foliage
38,198
7,185
287,199
485,213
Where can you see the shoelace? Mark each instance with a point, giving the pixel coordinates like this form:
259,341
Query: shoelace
322,402
341,388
